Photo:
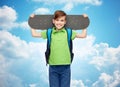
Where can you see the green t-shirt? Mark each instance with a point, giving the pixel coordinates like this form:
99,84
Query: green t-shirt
59,50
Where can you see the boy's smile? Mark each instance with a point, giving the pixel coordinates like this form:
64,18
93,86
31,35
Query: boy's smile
59,22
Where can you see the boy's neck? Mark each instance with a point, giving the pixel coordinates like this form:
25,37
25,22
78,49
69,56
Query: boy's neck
58,29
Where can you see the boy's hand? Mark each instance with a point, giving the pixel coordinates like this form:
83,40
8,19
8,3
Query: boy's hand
32,15
85,15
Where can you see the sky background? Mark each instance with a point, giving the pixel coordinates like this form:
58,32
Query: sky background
97,57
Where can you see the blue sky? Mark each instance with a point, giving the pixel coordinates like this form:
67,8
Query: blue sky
97,57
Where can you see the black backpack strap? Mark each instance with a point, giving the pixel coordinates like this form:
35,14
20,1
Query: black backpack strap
47,53
69,35
49,31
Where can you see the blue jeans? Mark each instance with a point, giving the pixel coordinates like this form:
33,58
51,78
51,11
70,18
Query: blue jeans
59,75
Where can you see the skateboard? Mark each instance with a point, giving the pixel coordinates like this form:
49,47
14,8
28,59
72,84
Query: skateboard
42,22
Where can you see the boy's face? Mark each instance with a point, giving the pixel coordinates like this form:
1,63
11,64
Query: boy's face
59,22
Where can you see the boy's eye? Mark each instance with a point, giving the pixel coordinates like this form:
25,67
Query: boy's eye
59,20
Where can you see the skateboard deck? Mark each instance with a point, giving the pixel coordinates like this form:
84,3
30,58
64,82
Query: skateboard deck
75,22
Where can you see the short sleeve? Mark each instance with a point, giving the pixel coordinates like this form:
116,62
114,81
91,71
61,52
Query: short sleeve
43,34
73,34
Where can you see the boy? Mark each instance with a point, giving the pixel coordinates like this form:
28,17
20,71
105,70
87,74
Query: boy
59,59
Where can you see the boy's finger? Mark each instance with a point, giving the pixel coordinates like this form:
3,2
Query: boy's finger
32,15
85,15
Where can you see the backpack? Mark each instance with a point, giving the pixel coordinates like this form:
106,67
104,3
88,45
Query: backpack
69,35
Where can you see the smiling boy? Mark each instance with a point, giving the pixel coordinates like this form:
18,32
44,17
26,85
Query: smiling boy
59,59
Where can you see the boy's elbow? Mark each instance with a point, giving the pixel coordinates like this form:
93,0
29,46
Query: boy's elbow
36,35
33,35
84,36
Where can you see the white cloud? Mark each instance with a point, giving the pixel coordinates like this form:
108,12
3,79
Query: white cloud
92,2
8,17
32,85
23,25
102,57
68,7
77,83
8,14
83,47
106,56
106,80
42,11
10,80
69,4
11,45
116,77
15,52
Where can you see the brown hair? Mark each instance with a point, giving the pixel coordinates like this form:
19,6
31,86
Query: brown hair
59,13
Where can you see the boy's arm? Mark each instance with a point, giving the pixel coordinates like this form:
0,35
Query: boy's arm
83,34
33,31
